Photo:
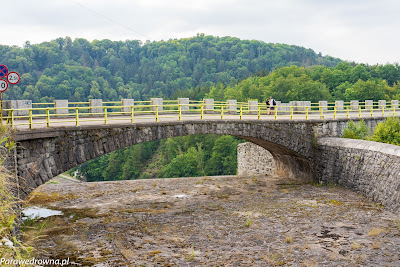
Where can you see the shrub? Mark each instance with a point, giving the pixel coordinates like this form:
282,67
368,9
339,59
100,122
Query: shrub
356,130
387,131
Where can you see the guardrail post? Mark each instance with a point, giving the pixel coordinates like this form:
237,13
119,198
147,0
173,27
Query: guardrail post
222,112
12,117
359,112
372,111
258,113
276,113
291,112
48,117
241,112
105,115
180,112
156,113
201,111
30,118
77,116
347,111
383,111
394,111
334,112
132,119
306,112
321,113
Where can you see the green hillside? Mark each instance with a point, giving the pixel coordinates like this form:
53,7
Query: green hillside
111,70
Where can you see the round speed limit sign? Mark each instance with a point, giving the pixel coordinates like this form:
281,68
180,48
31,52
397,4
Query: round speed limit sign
3,85
13,77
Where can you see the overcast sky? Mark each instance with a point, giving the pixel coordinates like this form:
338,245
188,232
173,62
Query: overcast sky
365,31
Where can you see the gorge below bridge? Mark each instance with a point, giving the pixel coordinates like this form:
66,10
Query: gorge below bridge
308,150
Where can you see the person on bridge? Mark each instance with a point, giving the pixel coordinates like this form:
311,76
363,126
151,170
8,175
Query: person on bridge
272,104
268,105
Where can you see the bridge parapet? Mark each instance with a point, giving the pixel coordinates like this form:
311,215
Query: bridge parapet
129,111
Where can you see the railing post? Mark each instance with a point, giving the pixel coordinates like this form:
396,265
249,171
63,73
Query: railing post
347,111
383,111
222,112
241,112
258,112
276,113
30,118
372,111
201,111
180,112
306,112
77,116
321,113
291,112
334,112
48,117
359,111
132,119
157,113
105,115
12,117
394,111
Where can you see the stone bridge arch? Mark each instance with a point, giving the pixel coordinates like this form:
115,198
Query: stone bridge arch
44,153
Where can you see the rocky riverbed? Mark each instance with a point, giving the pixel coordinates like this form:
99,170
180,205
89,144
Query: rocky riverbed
213,221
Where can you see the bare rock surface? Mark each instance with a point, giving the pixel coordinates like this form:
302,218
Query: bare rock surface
213,221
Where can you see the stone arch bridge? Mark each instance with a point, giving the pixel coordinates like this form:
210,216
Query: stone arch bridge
300,147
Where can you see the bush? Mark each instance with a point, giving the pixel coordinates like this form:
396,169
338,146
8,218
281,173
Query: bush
356,130
387,131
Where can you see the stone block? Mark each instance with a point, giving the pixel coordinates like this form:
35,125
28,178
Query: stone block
61,107
382,104
354,105
395,104
95,106
232,106
184,102
253,107
157,102
339,105
17,104
208,105
127,104
323,105
369,104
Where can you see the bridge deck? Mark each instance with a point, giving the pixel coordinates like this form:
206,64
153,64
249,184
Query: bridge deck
21,124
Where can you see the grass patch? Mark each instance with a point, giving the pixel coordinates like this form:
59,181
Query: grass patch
40,198
376,231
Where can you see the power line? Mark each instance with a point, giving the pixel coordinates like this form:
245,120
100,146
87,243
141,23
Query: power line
116,22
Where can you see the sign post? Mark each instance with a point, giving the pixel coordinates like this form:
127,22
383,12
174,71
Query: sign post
6,78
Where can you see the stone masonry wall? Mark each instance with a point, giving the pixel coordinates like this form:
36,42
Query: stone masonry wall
370,168
254,160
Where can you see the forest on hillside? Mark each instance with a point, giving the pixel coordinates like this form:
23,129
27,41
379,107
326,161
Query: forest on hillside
112,70
187,156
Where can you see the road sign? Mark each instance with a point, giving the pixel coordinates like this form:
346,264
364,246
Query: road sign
3,71
3,85
13,77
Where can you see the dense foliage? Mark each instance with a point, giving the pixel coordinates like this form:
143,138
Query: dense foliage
385,132
187,156
345,81
356,130
111,70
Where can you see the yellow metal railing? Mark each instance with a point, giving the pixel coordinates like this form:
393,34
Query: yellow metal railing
77,113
